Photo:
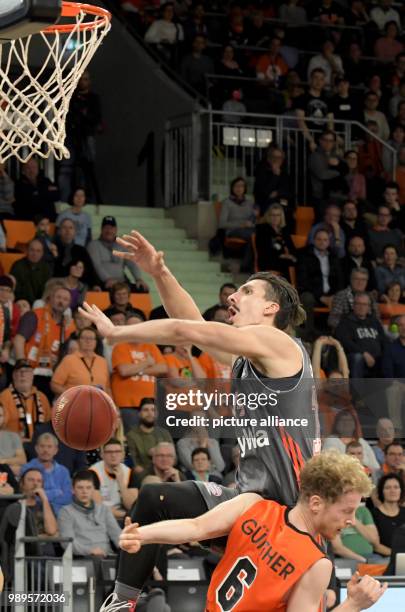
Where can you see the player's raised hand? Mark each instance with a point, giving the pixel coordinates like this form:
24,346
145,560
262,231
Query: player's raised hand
130,538
142,252
93,314
364,592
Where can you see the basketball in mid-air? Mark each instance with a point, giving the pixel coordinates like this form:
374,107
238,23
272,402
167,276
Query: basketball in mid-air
84,417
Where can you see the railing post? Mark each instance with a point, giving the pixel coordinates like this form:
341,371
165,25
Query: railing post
167,165
19,559
67,576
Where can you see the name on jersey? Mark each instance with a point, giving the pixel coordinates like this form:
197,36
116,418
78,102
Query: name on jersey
275,561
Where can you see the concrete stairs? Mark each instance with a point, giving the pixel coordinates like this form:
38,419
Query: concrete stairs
191,266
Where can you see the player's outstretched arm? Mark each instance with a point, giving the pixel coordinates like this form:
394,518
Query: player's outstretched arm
253,341
177,302
215,523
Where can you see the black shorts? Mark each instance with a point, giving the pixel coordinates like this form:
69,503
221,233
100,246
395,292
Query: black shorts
215,494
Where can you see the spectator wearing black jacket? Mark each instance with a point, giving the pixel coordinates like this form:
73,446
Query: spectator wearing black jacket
275,249
362,337
272,183
351,223
356,258
319,277
68,252
35,194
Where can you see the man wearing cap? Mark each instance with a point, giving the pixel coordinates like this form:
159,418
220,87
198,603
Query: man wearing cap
24,406
109,268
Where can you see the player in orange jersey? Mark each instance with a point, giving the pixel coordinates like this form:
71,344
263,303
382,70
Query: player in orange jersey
272,560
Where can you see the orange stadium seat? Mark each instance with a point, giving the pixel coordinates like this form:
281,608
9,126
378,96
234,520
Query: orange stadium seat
304,217
7,260
102,300
18,232
299,241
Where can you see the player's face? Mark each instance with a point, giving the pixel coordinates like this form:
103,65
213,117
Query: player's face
332,518
83,490
249,305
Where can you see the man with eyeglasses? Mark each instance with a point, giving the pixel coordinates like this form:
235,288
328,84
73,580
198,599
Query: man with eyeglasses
382,235
163,462
272,183
117,482
362,337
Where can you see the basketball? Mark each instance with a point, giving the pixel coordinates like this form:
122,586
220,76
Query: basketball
84,417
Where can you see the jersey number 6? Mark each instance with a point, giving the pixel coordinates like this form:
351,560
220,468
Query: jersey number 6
232,588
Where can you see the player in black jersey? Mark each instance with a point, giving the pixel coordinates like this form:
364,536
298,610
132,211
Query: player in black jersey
261,313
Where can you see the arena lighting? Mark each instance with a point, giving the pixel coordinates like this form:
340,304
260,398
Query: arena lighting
263,138
230,136
247,137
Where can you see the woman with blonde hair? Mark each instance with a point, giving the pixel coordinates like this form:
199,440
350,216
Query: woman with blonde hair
275,249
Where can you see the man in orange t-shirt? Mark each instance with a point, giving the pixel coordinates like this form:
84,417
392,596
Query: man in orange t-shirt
135,368
271,66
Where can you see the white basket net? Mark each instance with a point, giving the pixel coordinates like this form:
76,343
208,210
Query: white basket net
34,102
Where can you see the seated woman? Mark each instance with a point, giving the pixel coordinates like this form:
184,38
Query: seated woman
198,438
82,220
202,468
237,216
345,430
73,282
390,513
275,249
83,367
356,181
392,302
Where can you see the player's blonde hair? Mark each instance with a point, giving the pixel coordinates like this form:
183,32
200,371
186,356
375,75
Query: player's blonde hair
331,474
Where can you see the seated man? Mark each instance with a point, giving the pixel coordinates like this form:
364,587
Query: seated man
31,273
110,268
362,337
163,462
117,481
24,405
91,525
385,435
342,302
146,435
57,482
38,506
272,560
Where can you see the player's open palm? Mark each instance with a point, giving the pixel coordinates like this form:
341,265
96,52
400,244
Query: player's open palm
130,540
92,313
142,252
365,592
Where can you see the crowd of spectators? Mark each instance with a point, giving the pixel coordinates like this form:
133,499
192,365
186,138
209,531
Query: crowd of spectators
349,271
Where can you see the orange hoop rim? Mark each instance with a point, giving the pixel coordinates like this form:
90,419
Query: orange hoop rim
72,9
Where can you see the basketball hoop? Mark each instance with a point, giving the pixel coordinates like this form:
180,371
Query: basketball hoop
34,101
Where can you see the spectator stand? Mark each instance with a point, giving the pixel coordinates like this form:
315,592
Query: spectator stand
204,154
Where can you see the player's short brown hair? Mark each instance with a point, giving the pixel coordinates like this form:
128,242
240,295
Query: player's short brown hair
331,474
279,290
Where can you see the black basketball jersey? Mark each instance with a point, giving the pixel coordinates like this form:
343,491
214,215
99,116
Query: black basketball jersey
276,445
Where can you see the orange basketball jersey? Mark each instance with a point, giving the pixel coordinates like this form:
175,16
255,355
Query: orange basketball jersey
264,559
